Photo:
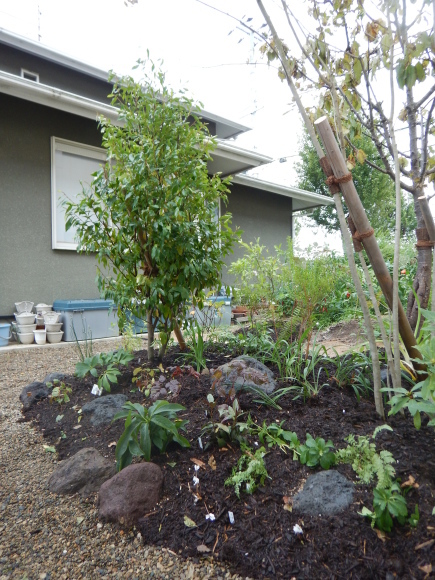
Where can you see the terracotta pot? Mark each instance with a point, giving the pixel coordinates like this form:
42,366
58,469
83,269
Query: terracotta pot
239,310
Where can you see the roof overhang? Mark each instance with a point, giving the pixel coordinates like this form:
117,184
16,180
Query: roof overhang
301,199
55,98
225,128
38,49
227,159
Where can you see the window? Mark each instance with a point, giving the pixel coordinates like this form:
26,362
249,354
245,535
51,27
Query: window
72,166
30,76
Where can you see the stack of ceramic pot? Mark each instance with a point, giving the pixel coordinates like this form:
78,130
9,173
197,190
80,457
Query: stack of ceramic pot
53,326
25,322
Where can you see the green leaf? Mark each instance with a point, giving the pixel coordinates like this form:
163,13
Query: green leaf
145,441
189,523
164,423
124,440
49,449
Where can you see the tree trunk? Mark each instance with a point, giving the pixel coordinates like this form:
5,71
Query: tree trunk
150,329
421,284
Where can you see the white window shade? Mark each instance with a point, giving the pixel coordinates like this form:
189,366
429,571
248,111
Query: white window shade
72,166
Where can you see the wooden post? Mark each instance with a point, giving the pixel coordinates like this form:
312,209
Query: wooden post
364,230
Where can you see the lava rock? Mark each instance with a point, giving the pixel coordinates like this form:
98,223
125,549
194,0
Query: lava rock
131,493
54,377
82,473
103,409
33,393
245,371
325,493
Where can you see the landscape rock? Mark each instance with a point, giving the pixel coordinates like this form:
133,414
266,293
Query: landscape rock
246,371
82,473
325,493
54,377
103,409
33,393
131,493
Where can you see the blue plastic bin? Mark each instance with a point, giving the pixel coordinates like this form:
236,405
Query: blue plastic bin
5,333
94,318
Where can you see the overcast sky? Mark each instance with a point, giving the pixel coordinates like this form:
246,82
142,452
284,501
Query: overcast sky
202,50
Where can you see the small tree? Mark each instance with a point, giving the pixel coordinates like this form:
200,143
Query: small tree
151,213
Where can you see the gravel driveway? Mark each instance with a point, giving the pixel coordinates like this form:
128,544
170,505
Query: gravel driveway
45,536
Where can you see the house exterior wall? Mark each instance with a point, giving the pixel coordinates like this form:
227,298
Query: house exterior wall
261,215
29,268
54,75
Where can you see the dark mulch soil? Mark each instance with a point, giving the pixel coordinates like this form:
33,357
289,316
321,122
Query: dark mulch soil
261,543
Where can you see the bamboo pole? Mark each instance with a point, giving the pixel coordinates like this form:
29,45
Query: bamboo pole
364,229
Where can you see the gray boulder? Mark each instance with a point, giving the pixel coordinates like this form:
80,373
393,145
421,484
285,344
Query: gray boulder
103,409
131,493
325,493
246,371
33,393
83,473
54,377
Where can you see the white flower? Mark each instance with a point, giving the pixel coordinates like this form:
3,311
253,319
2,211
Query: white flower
200,442
297,529
196,467
344,411
195,480
210,517
231,517
96,390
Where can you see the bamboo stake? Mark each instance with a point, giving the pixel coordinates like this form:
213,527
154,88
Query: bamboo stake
363,227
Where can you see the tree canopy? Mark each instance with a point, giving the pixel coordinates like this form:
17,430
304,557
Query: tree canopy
375,189
150,215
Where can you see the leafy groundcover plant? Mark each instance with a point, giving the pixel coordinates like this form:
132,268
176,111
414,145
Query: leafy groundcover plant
103,366
251,471
144,427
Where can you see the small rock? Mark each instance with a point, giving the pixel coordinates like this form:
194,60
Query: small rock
103,409
83,473
131,493
205,371
54,377
325,493
33,393
246,371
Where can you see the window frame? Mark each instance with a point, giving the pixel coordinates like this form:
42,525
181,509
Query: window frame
73,148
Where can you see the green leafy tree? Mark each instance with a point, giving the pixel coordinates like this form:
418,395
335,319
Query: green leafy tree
347,51
150,213
375,189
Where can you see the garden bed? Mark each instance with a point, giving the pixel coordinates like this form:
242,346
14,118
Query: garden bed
261,542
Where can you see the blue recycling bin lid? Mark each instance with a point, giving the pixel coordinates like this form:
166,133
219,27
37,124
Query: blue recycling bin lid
82,304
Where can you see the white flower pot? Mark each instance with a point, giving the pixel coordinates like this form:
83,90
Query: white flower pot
54,337
24,306
43,308
26,328
26,338
53,327
24,318
40,336
51,317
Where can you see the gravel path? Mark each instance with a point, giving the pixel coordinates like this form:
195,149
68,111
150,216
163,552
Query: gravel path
46,536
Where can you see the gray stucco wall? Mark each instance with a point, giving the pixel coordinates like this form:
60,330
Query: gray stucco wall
13,60
29,268
259,214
